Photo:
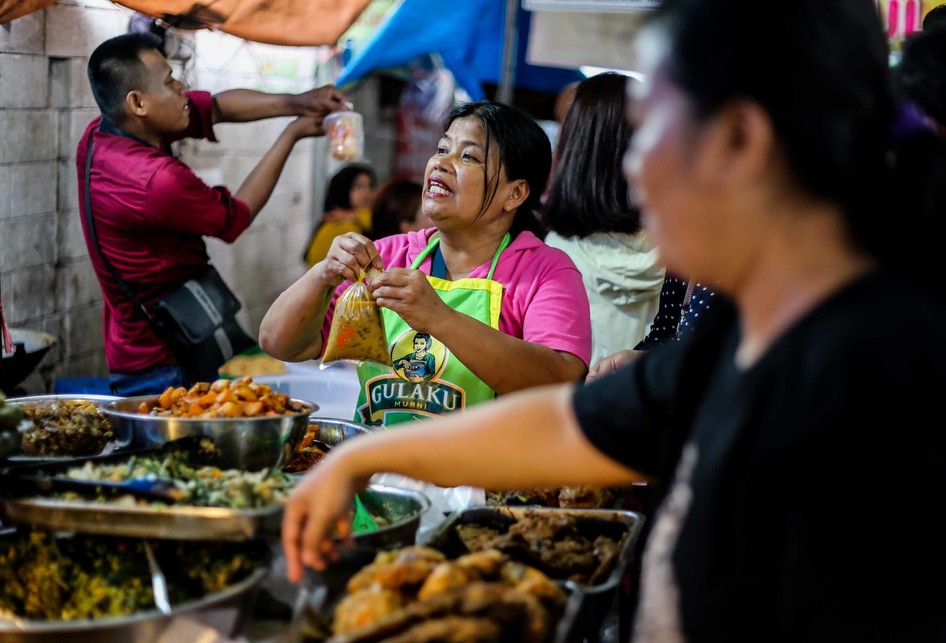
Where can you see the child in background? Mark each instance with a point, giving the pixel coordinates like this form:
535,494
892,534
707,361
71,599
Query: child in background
347,208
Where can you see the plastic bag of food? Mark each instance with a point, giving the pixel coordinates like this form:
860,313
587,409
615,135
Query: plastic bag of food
357,332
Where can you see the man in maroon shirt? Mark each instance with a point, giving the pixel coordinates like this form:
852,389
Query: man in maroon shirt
150,210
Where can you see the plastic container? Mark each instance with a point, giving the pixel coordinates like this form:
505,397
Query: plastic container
346,135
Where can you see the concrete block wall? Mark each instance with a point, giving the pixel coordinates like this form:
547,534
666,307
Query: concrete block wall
46,279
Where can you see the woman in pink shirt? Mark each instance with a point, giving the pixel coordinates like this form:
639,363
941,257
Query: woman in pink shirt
504,310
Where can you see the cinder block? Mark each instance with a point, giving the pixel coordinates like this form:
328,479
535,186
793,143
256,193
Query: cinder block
89,364
5,207
73,31
25,35
68,188
71,240
27,136
69,83
72,124
82,330
23,81
76,284
29,242
31,188
27,293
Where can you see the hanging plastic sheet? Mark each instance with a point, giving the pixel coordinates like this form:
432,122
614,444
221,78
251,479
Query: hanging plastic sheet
13,9
276,22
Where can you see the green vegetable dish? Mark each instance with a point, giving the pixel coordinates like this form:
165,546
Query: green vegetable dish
49,578
199,486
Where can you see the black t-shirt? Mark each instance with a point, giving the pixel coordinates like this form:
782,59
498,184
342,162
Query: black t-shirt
800,497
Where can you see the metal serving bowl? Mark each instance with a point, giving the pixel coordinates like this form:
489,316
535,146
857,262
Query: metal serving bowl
331,432
120,438
225,610
401,508
251,444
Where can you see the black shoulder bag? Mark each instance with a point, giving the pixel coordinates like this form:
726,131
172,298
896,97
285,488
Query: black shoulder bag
198,319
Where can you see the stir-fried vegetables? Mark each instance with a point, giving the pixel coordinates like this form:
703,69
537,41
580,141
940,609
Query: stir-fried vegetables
44,577
200,486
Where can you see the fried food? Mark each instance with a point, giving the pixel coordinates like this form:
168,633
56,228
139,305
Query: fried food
307,453
401,569
477,597
223,399
65,428
364,607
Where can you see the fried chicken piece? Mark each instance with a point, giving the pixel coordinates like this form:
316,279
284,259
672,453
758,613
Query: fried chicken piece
531,581
446,575
486,564
402,568
365,607
451,629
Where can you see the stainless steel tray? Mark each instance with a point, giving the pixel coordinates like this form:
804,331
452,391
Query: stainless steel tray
251,443
401,507
226,611
588,604
122,439
171,522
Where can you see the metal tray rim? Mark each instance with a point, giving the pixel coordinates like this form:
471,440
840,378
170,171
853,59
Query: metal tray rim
109,409
633,519
12,626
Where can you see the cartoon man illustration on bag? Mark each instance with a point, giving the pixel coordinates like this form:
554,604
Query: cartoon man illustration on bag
420,365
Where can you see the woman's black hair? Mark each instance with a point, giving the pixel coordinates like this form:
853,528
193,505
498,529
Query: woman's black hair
396,202
588,192
524,152
338,194
115,68
821,74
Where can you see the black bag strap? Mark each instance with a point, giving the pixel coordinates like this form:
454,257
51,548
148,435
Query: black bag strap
124,285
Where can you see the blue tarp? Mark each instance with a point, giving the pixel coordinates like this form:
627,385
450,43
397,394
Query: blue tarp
468,36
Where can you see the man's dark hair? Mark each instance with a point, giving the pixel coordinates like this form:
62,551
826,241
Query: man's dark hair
115,68
922,70
936,17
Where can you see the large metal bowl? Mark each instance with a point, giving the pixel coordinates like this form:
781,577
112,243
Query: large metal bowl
225,611
243,443
401,509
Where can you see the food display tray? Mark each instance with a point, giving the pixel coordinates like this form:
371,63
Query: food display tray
21,504
14,457
588,605
226,611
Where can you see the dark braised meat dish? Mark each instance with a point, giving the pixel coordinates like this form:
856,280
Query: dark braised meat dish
579,497
552,542
65,428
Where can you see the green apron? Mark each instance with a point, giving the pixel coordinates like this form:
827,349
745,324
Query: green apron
427,379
